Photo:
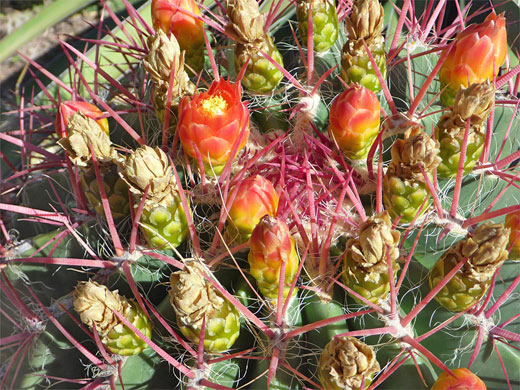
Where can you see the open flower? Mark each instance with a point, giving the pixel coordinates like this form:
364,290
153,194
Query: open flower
354,121
69,108
255,197
212,122
478,53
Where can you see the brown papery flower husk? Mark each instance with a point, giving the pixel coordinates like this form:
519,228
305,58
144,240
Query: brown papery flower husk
148,166
375,236
475,103
415,150
84,132
192,296
95,304
345,361
164,56
366,21
486,249
246,22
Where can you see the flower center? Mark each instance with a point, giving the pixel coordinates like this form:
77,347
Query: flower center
214,105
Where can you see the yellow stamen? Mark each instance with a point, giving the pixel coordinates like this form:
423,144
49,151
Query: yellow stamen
214,105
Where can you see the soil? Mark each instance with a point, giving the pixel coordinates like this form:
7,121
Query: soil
42,49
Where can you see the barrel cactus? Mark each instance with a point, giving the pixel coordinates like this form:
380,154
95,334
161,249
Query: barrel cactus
188,206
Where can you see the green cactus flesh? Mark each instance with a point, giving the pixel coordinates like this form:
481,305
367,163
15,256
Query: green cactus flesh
122,340
261,75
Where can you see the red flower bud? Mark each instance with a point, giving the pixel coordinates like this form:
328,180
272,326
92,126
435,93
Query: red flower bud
478,53
354,121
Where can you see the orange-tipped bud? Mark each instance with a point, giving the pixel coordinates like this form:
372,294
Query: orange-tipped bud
211,122
255,197
478,53
69,108
272,245
178,17
513,223
464,380
354,121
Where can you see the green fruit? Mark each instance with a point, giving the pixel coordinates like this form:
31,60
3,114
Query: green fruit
324,24
121,339
261,75
163,227
450,149
461,292
116,190
373,287
404,198
356,67
221,331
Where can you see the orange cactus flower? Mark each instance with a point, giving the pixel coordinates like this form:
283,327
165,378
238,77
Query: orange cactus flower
271,245
464,380
168,16
354,121
211,122
69,108
478,51
255,197
513,222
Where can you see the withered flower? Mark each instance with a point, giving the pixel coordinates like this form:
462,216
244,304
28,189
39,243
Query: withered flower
148,166
95,304
84,132
164,56
376,235
415,150
246,21
192,296
345,362
475,102
486,249
366,20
